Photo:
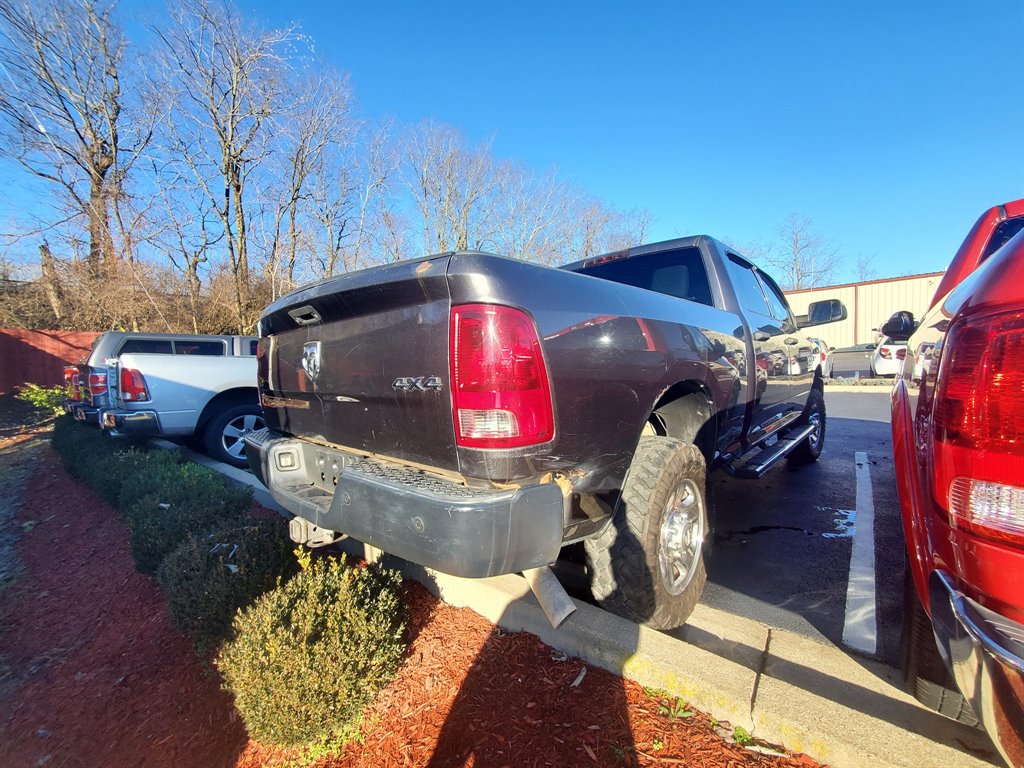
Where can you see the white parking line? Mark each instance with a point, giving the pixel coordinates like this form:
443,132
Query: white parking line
860,630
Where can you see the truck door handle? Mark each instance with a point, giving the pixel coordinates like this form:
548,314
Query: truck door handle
762,336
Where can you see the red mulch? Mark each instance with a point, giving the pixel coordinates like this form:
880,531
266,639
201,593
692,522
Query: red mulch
93,674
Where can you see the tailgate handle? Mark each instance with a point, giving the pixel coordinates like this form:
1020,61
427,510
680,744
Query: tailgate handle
304,315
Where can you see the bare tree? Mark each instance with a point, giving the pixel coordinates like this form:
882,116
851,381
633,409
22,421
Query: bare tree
452,186
532,212
864,268
803,258
225,84
63,114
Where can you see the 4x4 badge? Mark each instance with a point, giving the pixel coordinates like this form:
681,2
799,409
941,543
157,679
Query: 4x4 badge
311,359
420,383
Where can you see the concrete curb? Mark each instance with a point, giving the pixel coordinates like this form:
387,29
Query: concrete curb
786,689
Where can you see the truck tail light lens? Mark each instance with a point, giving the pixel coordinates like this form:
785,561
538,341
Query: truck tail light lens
133,386
71,382
500,392
97,383
978,425
995,507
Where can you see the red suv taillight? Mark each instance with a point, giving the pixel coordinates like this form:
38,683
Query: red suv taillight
884,353
133,386
979,425
500,392
901,353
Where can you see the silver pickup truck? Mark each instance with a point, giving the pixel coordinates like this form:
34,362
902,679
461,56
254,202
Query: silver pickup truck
175,386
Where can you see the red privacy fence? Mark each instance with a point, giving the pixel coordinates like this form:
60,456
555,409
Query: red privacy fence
39,356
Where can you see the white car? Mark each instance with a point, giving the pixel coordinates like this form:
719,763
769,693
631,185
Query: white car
888,357
824,357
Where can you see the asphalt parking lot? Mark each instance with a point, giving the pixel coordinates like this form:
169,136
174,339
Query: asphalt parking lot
783,545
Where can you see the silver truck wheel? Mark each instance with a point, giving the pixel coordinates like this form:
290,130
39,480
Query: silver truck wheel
814,413
648,565
225,433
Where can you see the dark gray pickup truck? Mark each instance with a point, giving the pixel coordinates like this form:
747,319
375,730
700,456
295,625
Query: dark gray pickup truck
476,414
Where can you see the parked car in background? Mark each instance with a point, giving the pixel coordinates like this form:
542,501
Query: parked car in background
180,386
824,356
89,385
959,456
888,357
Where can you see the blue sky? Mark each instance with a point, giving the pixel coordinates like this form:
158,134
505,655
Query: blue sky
890,125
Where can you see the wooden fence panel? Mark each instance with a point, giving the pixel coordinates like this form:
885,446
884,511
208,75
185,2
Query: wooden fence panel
38,357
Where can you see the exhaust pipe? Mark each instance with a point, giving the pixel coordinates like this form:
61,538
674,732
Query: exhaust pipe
551,595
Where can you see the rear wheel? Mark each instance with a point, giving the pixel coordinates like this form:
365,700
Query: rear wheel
925,672
814,413
648,565
224,437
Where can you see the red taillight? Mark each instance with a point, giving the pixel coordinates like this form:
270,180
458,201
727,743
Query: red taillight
500,392
133,386
884,353
901,353
97,383
71,383
978,425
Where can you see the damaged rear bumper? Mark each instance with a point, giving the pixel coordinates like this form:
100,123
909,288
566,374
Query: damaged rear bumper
419,517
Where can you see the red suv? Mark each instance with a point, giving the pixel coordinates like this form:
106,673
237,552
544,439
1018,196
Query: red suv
959,452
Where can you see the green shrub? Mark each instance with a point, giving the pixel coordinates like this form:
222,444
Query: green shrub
309,656
44,399
101,461
206,580
185,500
141,474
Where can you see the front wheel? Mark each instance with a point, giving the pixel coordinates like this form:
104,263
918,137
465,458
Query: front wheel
648,564
224,437
814,413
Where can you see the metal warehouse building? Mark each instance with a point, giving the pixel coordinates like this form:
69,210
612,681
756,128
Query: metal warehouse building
868,304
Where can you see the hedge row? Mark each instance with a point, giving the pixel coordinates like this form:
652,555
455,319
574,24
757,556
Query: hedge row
304,646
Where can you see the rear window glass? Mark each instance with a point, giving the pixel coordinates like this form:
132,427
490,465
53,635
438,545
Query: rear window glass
1004,231
146,347
680,273
214,348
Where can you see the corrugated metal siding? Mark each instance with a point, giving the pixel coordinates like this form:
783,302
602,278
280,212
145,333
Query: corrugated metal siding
868,305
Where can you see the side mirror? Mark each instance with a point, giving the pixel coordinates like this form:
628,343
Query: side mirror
900,326
717,349
821,312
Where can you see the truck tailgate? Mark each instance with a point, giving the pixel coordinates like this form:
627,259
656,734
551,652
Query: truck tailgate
361,361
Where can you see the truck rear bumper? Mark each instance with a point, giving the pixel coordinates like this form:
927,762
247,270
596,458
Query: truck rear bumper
120,422
403,511
986,653
82,412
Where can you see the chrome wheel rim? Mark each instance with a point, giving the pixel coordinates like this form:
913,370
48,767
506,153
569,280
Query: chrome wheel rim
233,436
815,420
681,538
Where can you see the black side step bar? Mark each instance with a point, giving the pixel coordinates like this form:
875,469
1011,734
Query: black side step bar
759,464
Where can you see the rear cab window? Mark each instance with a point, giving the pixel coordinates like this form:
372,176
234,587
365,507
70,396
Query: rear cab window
146,347
207,348
680,272
1002,234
